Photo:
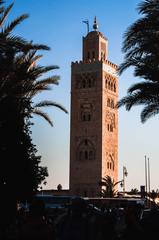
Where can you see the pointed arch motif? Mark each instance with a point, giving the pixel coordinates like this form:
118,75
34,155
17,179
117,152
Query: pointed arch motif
86,150
85,80
110,162
86,112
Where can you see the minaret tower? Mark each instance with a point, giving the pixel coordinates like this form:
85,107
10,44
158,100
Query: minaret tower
94,118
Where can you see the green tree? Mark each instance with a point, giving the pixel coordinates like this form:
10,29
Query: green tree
153,194
59,187
109,185
20,81
140,46
27,75
134,191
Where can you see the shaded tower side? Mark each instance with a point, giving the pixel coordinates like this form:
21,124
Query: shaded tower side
86,129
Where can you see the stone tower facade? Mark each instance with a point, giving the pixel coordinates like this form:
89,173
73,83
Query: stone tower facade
94,118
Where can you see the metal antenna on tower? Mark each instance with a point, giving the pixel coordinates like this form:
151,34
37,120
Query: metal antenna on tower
87,23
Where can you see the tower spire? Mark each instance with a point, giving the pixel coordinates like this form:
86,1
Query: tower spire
95,25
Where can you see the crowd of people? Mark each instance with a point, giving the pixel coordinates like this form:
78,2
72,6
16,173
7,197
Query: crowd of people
80,221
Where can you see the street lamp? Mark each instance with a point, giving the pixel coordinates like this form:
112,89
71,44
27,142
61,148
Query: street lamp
125,174
121,183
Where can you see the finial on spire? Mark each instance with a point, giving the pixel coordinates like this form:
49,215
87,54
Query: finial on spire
95,25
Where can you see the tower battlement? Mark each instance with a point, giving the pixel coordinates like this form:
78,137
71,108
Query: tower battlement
90,61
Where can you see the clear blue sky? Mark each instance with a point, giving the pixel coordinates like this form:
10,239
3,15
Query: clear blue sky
58,24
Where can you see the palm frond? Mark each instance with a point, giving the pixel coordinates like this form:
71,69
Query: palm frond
42,114
149,111
5,14
131,100
14,23
49,104
38,71
117,183
36,47
109,186
32,91
148,87
33,61
42,85
1,9
50,80
13,41
148,6
126,64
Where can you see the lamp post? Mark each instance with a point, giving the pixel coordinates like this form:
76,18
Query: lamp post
147,180
145,176
148,175
125,174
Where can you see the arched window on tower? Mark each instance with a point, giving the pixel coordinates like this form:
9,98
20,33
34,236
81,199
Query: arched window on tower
86,155
101,55
106,83
86,111
93,54
89,83
88,55
78,83
109,85
84,83
85,80
91,155
112,103
110,162
108,102
93,82
111,128
108,165
114,87
80,155
86,151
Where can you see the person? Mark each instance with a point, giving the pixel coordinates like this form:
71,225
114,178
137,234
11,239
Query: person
36,226
150,223
133,229
73,225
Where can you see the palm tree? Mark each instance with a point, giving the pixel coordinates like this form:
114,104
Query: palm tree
21,78
134,191
19,74
10,45
10,42
30,83
109,185
140,45
153,194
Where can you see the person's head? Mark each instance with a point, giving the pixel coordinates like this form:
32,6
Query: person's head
37,208
78,205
